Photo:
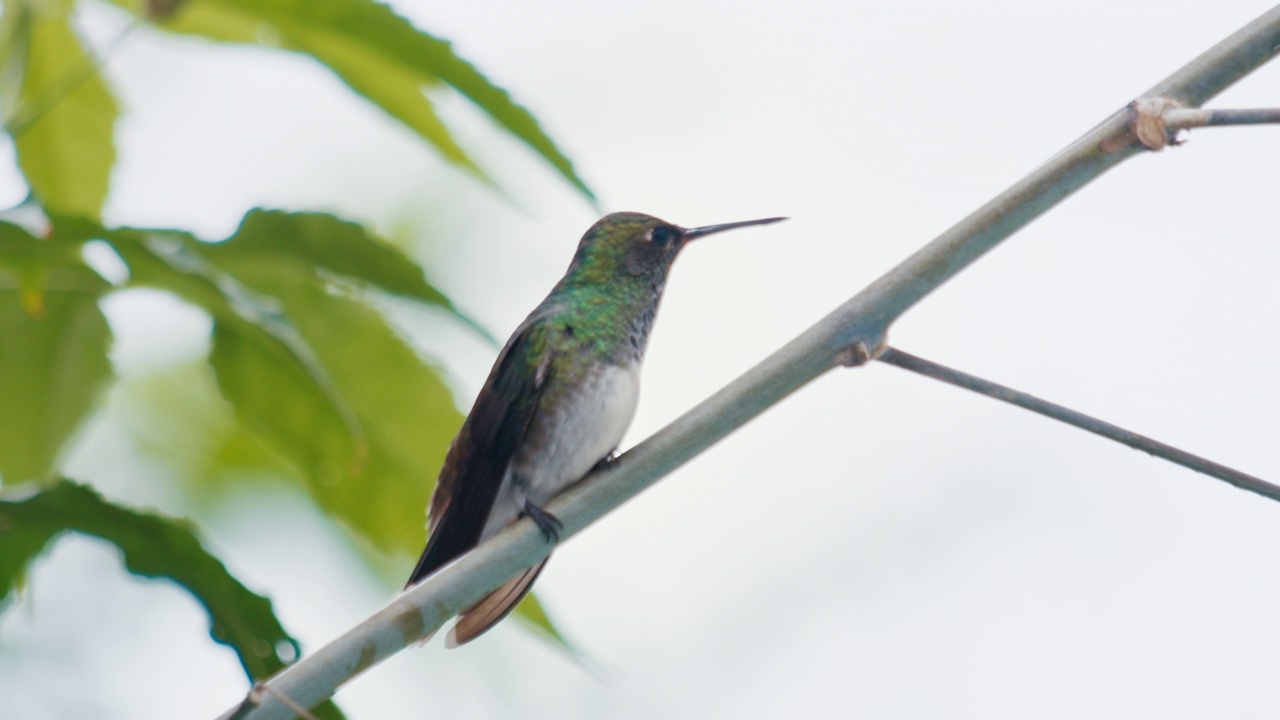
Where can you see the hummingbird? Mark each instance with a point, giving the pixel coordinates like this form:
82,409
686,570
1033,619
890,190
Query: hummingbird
557,401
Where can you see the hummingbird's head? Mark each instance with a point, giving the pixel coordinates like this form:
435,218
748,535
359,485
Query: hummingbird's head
639,245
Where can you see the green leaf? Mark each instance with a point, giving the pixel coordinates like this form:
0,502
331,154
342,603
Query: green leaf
173,261
53,352
285,407
396,89
317,374
378,54
21,249
65,118
406,411
308,241
177,419
319,240
156,547
532,614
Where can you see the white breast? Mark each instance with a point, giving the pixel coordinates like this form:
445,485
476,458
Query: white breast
589,430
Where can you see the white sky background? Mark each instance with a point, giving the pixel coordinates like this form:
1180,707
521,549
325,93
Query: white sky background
879,545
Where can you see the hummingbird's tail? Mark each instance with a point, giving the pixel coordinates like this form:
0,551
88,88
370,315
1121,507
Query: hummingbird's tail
489,611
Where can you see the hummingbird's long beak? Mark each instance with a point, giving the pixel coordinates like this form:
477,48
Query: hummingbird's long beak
692,233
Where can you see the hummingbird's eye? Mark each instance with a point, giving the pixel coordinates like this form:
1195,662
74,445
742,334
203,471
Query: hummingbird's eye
661,234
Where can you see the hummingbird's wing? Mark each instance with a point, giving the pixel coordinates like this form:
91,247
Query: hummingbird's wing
489,439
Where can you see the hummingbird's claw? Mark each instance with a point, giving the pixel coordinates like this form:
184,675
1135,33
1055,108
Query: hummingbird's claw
549,524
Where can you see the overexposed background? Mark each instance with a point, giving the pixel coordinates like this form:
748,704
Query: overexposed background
879,545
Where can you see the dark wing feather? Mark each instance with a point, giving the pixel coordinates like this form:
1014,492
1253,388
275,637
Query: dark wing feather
488,441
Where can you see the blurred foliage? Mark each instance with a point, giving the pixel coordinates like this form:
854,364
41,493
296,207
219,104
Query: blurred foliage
53,350
530,611
364,465
151,546
177,418
352,406
379,54
312,382
63,117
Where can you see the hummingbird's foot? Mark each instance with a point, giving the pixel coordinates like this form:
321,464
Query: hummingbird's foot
549,524
607,461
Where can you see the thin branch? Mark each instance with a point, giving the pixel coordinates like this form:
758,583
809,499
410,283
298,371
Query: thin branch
1187,118
915,364
849,335
1154,122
